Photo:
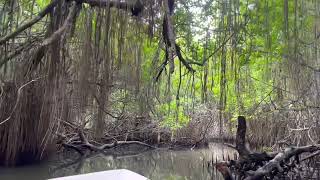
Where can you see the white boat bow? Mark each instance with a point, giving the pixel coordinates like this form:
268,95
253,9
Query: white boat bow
118,174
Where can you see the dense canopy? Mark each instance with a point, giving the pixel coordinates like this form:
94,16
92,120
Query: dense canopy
156,71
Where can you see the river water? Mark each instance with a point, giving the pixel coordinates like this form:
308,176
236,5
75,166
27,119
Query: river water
156,165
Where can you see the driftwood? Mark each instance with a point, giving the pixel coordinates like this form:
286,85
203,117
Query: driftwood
282,157
259,165
86,145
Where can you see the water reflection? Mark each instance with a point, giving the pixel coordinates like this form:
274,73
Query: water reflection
157,165
33,172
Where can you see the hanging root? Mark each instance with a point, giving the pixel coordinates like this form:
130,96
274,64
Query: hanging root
30,23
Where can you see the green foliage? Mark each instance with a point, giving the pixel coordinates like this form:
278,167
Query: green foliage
42,3
250,64
253,51
172,115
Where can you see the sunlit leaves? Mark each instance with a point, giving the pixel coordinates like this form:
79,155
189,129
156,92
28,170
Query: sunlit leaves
42,3
172,115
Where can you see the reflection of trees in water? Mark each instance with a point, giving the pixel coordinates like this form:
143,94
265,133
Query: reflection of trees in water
33,172
154,164
177,165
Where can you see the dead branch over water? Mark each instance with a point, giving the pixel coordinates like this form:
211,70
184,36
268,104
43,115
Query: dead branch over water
256,165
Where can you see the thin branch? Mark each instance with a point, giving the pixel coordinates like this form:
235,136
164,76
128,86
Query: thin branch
310,156
136,8
220,46
162,67
40,15
184,62
102,148
24,47
18,100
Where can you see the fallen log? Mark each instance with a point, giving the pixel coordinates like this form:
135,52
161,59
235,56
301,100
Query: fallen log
258,165
85,144
282,157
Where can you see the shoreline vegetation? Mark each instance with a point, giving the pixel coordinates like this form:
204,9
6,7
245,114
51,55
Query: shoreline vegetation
92,75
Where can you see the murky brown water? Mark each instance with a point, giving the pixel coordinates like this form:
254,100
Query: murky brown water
156,165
